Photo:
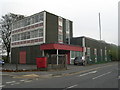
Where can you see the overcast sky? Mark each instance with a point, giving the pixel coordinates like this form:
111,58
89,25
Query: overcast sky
83,13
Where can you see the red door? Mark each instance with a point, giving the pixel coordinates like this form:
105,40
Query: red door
68,58
22,57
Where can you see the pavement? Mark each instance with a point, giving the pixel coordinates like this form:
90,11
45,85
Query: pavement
9,66
71,69
90,76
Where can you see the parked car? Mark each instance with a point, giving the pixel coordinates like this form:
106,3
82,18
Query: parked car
79,61
2,62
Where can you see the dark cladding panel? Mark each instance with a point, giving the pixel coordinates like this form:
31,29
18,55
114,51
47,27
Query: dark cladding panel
34,52
14,55
51,28
31,53
76,41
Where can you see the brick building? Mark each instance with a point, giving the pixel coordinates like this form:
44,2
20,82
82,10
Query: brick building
94,50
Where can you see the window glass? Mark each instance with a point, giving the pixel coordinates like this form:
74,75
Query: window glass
67,29
105,52
13,37
40,32
22,36
18,37
32,34
95,51
25,22
67,25
60,37
36,18
41,16
27,35
72,54
36,33
32,20
88,51
22,23
28,21
18,24
67,35
101,51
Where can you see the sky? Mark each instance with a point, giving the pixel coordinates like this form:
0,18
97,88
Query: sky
83,13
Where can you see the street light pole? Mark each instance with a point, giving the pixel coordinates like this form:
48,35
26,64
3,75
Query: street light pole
100,25
100,34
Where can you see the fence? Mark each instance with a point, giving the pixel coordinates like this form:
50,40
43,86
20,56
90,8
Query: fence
53,64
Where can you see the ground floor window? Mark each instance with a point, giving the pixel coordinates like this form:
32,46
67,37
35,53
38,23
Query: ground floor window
75,54
88,55
95,54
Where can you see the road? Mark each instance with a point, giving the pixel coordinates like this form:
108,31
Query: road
97,77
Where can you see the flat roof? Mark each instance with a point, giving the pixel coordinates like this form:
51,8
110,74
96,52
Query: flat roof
55,46
25,17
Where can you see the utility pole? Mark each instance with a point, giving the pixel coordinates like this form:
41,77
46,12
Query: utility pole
100,25
100,35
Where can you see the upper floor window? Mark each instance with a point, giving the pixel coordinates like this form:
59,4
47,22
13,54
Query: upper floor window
67,25
28,35
29,20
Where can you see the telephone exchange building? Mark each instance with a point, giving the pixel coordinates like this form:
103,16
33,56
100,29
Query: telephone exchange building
39,35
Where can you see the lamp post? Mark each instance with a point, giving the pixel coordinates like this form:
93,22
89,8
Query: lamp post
100,25
100,33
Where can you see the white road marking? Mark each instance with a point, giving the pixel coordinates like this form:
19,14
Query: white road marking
37,79
101,75
22,80
87,73
57,76
11,82
3,74
2,85
72,86
17,83
28,81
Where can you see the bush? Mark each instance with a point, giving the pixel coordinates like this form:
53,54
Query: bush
5,59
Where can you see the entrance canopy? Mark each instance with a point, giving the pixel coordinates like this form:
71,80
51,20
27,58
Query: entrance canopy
59,46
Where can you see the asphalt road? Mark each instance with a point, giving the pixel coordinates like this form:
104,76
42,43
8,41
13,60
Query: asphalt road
91,77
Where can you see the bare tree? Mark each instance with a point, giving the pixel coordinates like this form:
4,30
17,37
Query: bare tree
6,28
